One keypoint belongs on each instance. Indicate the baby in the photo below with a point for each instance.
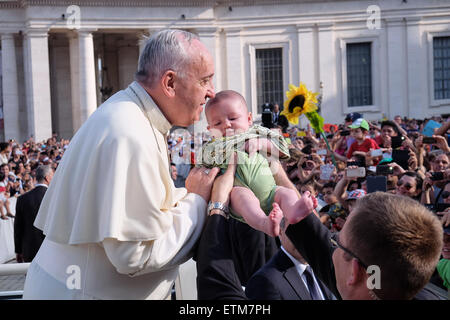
(255, 197)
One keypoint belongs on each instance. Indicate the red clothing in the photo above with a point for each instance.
(379, 140)
(364, 147)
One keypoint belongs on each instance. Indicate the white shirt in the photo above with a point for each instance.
(301, 267)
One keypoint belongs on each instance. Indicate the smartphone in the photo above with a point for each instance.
(356, 163)
(322, 152)
(397, 141)
(437, 176)
(376, 183)
(384, 170)
(429, 140)
(401, 157)
(359, 172)
(345, 133)
(376, 153)
(326, 171)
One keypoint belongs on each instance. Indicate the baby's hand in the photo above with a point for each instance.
(258, 144)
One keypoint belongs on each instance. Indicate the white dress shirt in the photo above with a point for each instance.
(301, 267)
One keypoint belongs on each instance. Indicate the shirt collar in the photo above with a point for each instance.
(301, 267)
(41, 185)
(149, 106)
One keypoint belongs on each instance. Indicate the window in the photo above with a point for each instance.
(441, 66)
(269, 76)
(359, 74)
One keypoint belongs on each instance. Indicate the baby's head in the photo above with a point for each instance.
(227, 114)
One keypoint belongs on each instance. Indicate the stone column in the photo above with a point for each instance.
(308, 68)
(397, 75)
(86, 66)
(75, 81)
(417, 69)
(208, 36)
(37, 84)
(10, 88)
(127, 58)
(327, 73)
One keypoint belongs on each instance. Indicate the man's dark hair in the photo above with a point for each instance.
(330, 184)
(3, 145)
(390, 124)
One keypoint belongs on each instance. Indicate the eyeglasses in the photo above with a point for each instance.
(407, 185)
(445, 194)
(334, 239)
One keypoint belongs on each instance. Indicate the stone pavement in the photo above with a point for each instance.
(12, 283)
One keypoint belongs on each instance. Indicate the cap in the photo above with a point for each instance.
(355, 194)
(353, 116)
(360, 123)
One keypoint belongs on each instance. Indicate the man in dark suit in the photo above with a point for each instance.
(381, 226)
(276, 113)
(287, 276)
(27, 238)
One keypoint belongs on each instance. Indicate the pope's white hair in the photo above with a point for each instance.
(164, 50)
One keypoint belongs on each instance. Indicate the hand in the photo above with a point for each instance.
(427, 182)
(19, 257)
(446, 219)
(200, 181)
(254, 145)
(398, 170)
(441, 143)
(412, 161)
(419, 142)
(223, 184)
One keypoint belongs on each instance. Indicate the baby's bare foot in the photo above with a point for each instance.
(302, 208)
(275, 217)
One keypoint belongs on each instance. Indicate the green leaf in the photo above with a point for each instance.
(316, 121)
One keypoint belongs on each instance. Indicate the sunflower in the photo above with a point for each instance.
(299, 101)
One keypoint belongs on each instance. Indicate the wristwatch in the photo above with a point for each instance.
(219, 206)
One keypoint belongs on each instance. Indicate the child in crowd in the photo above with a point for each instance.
(255, 191)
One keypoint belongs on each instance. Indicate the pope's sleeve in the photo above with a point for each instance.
(173, 248)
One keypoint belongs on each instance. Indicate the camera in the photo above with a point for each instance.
(266, 115)
(397, 141)
(437, 176)
(429, 140)
(382, 170)
(345, 133)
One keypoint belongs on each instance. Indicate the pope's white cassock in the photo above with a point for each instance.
(116, 227)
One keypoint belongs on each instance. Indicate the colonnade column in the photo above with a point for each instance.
(37, 84)
(10, 88)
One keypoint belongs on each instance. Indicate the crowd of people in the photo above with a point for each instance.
(18, 164)
(128, 228)
(399, 156)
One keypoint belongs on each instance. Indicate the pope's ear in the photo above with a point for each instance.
(168, 83)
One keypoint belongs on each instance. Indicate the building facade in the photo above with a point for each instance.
(61, 59)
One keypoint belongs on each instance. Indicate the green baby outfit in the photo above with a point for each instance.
(251, 172)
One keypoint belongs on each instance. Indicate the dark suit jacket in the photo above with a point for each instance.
(27, 238)
(250, 249)
(312, 239)
(278, 279)
(217, 278)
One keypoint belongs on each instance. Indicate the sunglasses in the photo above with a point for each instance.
(445, 194)
(407, 185)
(334, 239)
